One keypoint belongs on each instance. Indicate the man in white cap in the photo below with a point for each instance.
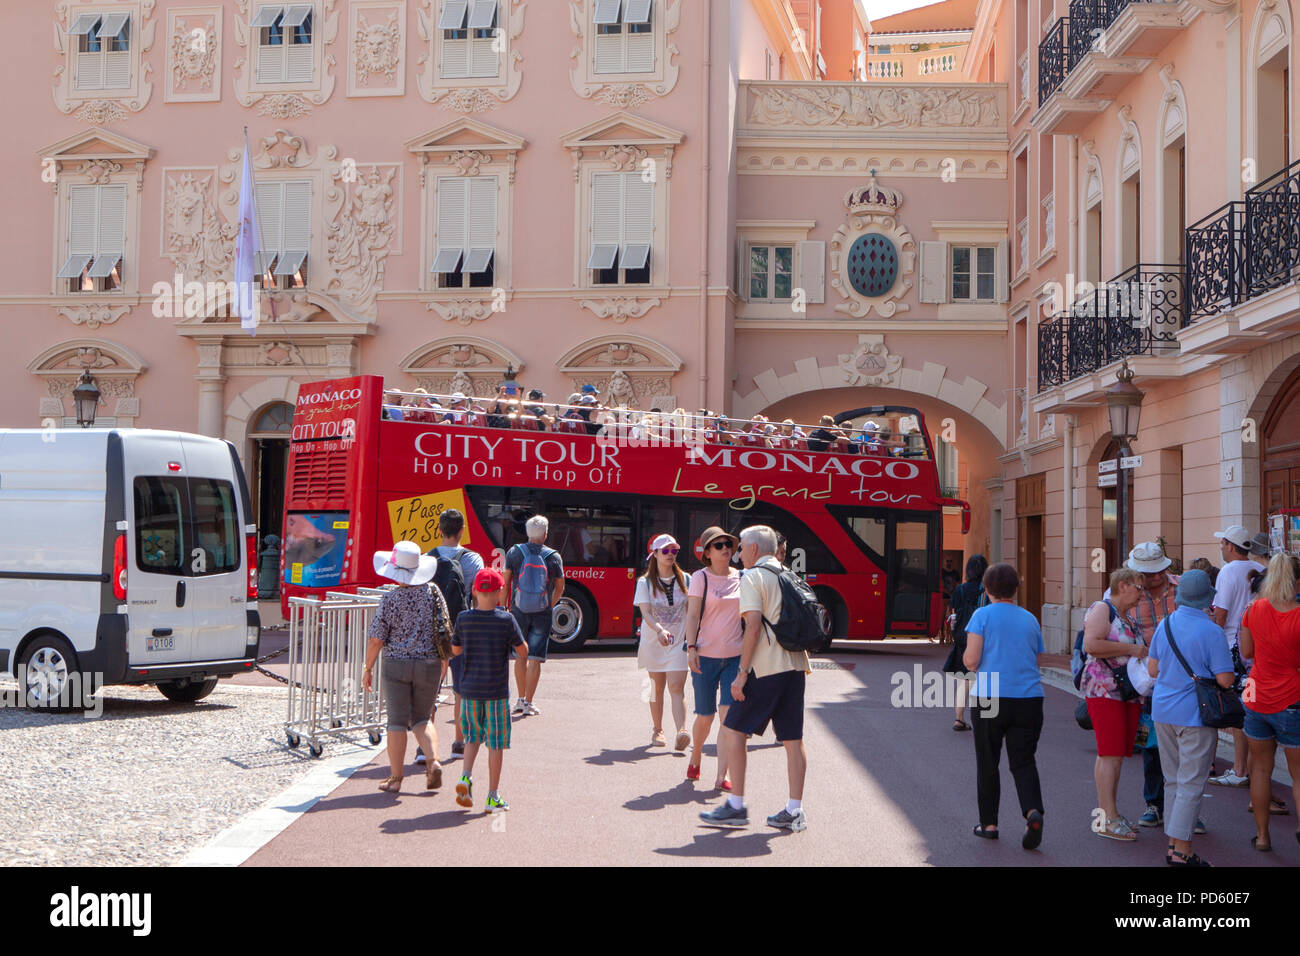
(1231, 598)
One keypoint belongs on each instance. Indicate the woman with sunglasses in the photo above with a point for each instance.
(661, 599)
(713, 639)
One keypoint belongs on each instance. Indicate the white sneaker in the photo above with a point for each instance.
(1230, 779)
(530, 709)
(519, 706)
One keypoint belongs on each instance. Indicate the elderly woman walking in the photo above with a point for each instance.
(1187, 644)
(412, 629)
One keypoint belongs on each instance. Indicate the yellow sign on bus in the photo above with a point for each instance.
(416, 519)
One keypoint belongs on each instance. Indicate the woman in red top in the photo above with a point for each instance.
(1270, 633)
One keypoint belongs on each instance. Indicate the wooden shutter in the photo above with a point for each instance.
(453, 198)
(481, 213)
(934, 272)
(270, 215)
(638, 209)
(117, 70)
(483, 59)
(606, 208)
(111, 233)
(455, 58)
(83, 220)
(271, 60)
(300, 58)
(609, 52)
(90, 71)
(812, 271)
(1001, 286)
(297, 217)
(640, 53)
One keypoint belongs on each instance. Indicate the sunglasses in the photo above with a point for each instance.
(669, 550)
(723, 545)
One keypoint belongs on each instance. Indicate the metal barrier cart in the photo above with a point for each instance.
(327, 653)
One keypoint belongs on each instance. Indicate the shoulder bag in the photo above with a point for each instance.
(1217, 707)
(1120, 674)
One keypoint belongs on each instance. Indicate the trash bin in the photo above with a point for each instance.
(268, 568)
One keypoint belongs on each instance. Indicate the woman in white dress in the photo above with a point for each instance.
(661, 598)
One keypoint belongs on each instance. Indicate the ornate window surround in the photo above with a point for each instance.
(466, 147)
(97, 107)
(473, 94)
(975, 233)
(624, 90)
(445, 365)
(622, 142)
(642, 361)
(99, 157)
(116, 369)
(761, 232)
(285, 100)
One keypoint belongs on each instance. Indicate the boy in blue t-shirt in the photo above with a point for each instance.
(484, 636)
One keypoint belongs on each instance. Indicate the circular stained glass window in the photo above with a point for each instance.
(873, 265)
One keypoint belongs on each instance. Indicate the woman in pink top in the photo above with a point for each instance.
(713, 641)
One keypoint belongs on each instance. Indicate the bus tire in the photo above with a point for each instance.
(187, 692)
(48, 663)
(573, 620)
(834, 605)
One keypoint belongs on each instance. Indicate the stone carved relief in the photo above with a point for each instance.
(870, 364)
(624, 158)
(199, 243)
(284, 105)
(377, 48)
(358, 240)
(873, 106)
(93, 314)
(831, 161)
(633, 91)
(474, 367)
(115, 376)
(99, 171)
(619, 309)
(620, 354)
(194, 56)
(633, 371)
(279, 353)
(101, 110)
(466, 162)
(462, 311)
(470, 95)
(872, 209)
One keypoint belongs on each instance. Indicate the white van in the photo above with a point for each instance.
(127, 556)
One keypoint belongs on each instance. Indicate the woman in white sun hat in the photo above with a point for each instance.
(413, 630)
(661, 598)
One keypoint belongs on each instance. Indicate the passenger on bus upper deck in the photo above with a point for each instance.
(392, 408)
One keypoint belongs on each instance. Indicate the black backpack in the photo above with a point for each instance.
(450, 580)
(801, 625)
(1078, 659)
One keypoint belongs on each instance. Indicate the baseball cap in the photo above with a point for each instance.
(662, 541)
(536, 394)
(588, 399)
(1261, 545)
(489, 580)
(589, 389)
(1236, 534)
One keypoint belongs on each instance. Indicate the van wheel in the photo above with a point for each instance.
(187, 692)
(48, 664)
(573, 620)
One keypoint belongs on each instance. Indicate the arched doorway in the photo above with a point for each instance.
(1279, 451)
(269, 438)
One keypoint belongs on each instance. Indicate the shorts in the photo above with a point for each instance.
(457, 668)
(777, 698)
(410, 688)
(1284, 726)
(536, 628)
(1115, 722)
(486, 721)
(715, 673)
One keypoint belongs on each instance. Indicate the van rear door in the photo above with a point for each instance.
(219, 578)
(159, 548)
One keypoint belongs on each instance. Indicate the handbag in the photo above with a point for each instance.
(1140, 677)
(1120, 675)
(1217, 707)
(1081, 714)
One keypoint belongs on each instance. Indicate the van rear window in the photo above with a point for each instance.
(186, 526)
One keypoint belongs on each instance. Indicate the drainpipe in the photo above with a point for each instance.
(1067, 592)
(706, 74)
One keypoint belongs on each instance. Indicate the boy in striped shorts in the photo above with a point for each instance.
(484, 636)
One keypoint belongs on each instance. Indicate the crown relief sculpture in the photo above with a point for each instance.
(872, 255)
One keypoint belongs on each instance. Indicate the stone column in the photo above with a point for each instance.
(211, 387)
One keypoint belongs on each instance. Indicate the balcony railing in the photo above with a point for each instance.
(1139, 312)
(1215, 256)
(1273, 231)
(1053, 59)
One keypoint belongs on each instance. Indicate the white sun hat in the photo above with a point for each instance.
(1148, 558)
(405, 564)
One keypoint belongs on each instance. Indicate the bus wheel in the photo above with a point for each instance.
(839, 618)
(573, 620)
(187, 692)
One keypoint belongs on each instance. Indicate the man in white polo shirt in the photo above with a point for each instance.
(1231, 598)
(769, 687)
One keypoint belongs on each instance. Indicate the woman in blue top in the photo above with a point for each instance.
(1003, 642)
(1186, 745)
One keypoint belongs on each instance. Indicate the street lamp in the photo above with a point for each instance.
(1124, 400)
(85, 396)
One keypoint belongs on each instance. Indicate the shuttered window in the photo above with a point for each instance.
(96, 238)
(284, 220)
(103, 51)
(622, 228)
(469, 46)
(973, 273)
(284, 50)
(466, 241)
(624, 40)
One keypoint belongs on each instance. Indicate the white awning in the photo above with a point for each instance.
(635, 255)
(262, 262)
(606, 12)
(83, 24)
(74, 267)
(290, 262)
(478, 259)
(602, 256)
(113, 24)
(296, 15)
(637, 11)
(103, 265)
(453, 15)
(267, 15)
(445, 260)
(482, 13)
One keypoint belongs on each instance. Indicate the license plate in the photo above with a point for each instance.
(159, 643)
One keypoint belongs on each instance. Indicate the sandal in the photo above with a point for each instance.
(392, 784)
(433, 777)
(1193, 860)
(1275, 807)
(981, 831)
(960, 724)
(1118, 829)
(1261, 847)
(1033, 830)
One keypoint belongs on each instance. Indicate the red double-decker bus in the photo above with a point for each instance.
(865, 528)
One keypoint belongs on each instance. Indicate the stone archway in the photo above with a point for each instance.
(116, 369)
(242, 410)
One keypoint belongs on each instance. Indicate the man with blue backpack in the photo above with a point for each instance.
(534, 579)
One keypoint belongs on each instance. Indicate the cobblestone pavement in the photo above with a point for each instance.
(145, 783)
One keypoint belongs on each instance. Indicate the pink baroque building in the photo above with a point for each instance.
(685, 203)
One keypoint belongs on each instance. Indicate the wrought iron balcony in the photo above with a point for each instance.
(1216, 258)
(1053, 59)
(1074, 36)
(1272, 232)
(1139, 312)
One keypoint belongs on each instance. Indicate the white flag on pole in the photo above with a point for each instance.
(247, 248)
